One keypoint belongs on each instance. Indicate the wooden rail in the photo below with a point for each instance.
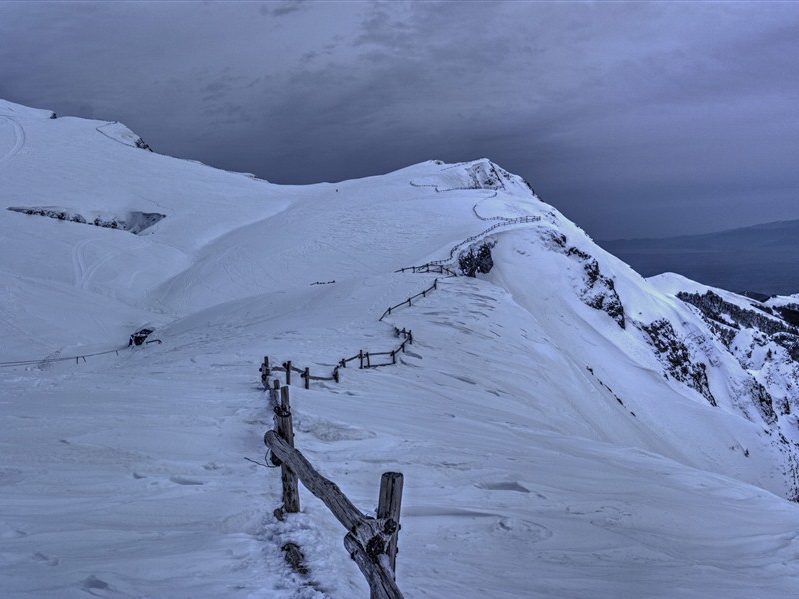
(371, 542)
(364, 359)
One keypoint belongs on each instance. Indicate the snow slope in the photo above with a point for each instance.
(566, 428)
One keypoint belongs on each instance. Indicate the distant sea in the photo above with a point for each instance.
(761, 259)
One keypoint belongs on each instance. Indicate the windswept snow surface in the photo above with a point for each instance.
(550, 449)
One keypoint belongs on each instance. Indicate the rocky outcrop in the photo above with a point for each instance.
(133, 222)
(676, 357)
(476, 260)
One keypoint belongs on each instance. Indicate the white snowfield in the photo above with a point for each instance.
(547, 450)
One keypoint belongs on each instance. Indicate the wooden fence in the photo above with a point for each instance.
(371, 542)
(472, 238)
(365, 359)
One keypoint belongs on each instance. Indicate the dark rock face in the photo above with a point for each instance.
(133, 222)
(726, 319)
(139, 337)
(599, 291)
(473, 261)
(140, 143)
(674, 355)
(763, 402)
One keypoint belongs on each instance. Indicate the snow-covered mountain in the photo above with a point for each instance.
(566, 428)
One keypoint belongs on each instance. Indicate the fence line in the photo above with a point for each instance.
(371, 542)
(77, 358)
(504, 222)
(365, 358)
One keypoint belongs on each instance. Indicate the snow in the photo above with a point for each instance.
(544, 451)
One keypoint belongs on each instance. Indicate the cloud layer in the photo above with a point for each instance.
(635, 119)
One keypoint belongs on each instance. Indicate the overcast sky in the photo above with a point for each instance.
(634, 119)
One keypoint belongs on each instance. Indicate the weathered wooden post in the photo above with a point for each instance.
(368, 360)
(393, 356)
(360, 355)
(307, 376)
(265, 373)
(388, 508)
(285, 429)
(287, 366)
(274, 394)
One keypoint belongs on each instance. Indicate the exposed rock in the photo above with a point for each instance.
(676, 357)
(140, 143)
(476, 260)
(599, 291)
(133, 222)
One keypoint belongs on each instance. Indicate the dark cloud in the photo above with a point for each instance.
(634, 118)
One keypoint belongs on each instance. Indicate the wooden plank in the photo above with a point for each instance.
(388, 508)
(377, 572)
(274, 396)
(366, 530)
(265, 373)
(291, 492)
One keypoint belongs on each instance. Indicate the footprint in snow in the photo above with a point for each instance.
(92, 584)
(50, 561)
(182, 480)
(503, 486)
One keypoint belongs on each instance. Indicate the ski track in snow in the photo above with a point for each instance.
(19, 138)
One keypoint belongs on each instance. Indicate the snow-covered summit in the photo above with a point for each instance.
(566, 427)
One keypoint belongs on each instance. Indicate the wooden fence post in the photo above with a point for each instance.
(360, 355)
(368, 360)
(307, 376)
(265, 373)
(274, 394)
(287, 366)
(285, 429)
(393, 356)
(388, 507)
